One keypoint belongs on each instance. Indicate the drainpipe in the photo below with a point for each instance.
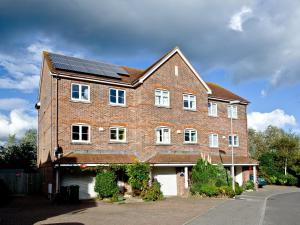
(57, 149)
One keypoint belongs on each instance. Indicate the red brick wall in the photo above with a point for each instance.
(140, 116)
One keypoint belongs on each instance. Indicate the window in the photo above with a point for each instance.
(232, 111)
(80, 133)
(163, 135)
(189, 102)
(117, 134)
(235, 140)
(190, 136)
(162, 98)
(80, 92)
(212, 109)
(213, 141)
(116, 96)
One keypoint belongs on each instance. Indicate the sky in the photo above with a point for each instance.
(250, 47)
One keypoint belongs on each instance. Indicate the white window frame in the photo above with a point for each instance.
(80, 99)
(211, 143)
(80, 133)
(189, 100)
(237, 144)
(162, 96)
(118, 130)
(117, 97)
(210, 111)
(230, 111)
(164, 140)
(189, 130)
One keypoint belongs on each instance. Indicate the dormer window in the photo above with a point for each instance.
(80, 92)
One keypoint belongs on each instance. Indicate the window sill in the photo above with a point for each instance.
(162, 144)
(161, 106)
(120, 105)
(214, 146)
(191, 110)
(80, 143)
(190, 143)
(234, 146)
(213, 116)
(118, 142)
(233, 118)
(80, 101)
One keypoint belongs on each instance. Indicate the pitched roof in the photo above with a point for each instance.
(135, 75)
(222, 93)
(193, 158)
(76, 158)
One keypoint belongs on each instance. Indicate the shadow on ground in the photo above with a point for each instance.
(29, 210)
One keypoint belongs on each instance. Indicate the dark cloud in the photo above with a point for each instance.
(267, 47)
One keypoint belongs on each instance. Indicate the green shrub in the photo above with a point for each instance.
(206, 173)
(152, 193)
(106, 185)
(206, 189)
(138, 174)
(238, 189)
(227, 190)
(249, 185)
(291, 180)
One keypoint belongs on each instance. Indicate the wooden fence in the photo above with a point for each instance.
(21, 183)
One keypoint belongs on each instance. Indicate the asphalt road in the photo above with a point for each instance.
(271, 205)
(283, 209)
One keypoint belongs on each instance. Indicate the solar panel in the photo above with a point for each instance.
(86, 66)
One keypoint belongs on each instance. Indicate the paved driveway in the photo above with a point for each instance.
(270, 205)
(175, 211)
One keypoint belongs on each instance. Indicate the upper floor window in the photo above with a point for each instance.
(189, 102)
(190, 136)
(212, 109)
(80, 92)
(232, 111)
(162, 98)
(117, 134)
(117, 96)
(233, 140)
(213, 140)
(163, 135)
(80, 133)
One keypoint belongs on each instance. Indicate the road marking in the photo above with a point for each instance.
(262, 215)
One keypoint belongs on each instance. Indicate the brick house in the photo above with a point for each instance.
(92, 113)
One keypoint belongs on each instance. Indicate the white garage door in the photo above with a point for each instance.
(166, 176)
(86, 185)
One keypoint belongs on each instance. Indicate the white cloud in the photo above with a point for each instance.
(260, 121)
(18, 122)
(25, 84)
(237, 20)
(13, 103)
(21, 69)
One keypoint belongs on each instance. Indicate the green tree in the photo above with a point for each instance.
(20, 154)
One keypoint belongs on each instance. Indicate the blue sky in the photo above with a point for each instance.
(251, 47)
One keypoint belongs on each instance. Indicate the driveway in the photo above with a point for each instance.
(175, 211)
(271, 205)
